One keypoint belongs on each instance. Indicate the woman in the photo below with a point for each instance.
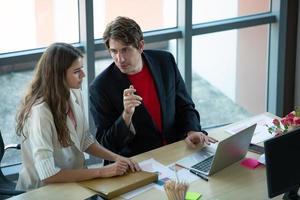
(52, 126)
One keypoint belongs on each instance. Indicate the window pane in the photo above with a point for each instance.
(210, 10)
(37, 24)
(150, 15)
(230, 74)
(12, 90)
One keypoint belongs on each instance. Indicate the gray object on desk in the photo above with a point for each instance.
(228, 151)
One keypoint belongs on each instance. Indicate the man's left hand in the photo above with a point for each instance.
(195, 139)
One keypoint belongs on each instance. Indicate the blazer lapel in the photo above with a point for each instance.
(116, 89)
(123, 81)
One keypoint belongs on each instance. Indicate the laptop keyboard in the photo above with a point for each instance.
(204, 165)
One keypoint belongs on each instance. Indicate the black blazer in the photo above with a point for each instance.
(177, 108)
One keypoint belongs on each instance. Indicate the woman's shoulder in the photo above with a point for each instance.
(41, 108)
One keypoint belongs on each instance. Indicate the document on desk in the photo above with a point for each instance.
(261, 131)
(151, 165)
(262, 159)
(165, 173)
(133, 193)
(184, 174)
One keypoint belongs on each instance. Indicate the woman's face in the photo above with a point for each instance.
(75, 74)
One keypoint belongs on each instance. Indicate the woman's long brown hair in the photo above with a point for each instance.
(49, 85)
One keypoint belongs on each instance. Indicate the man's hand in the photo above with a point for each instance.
(130, 101)
(195, 139)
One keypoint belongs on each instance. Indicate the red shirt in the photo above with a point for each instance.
(145, 87)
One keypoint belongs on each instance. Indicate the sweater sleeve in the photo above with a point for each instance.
(41, 125)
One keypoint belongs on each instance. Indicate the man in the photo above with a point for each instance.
(140, 101)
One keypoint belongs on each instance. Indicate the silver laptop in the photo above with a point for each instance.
(211, 159)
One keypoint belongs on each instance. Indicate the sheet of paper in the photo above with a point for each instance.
(261, 131)
(261, 159)
(184, 174)
(164, 174)
(133, 193)
(152, 165)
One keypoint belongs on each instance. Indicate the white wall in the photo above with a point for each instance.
(213, 57)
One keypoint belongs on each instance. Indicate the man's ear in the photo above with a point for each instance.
(141, 46)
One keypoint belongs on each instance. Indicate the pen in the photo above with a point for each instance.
(199, 174)
(194, 171)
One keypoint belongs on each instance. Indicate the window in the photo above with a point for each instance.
(211, 10)
(230, 74)
(12, 90)
(150, 15)
(37, 24)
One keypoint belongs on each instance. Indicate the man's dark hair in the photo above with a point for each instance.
(125, 30)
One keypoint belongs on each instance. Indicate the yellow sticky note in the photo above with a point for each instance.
(192, 195)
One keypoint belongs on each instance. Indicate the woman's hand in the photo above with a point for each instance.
(134, 166)
(120, 167)
(116, 169)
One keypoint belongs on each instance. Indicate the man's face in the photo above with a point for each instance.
(127, 58)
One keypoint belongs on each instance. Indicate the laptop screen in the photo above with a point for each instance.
(228, 151)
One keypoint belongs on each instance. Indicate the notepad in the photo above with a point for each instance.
(250, 163)
(192, 196)
(115, 186)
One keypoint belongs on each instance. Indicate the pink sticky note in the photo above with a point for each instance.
(250, 163)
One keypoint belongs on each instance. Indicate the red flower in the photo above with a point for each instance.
(284, 122)
(297, 121)
(291, 114)
(288, 122)
(276, 122)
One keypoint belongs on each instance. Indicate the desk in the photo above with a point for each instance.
(233, 182)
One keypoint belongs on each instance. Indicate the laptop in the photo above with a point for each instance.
(212, 158)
